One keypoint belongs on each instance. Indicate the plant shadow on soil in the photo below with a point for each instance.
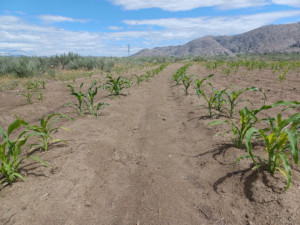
(31, 169)
(248, 177)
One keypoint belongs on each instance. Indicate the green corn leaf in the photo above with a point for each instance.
(18, 175)
(14, 125)
(287, 169)
(293, 138)
(240, 158)
(249, 135)
(39, 160)
(60, 140)
(293, 118)
(216, 123)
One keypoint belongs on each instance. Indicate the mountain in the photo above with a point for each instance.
(266, 39)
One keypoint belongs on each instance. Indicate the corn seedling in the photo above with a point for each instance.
(147, 76)
(45, 131)
(232, 98)
(43, 83)
(177, 77)
(247, 120)
(10, 152)
(187, 81)
(139, 79)
(210, 99)
(28, 96)
(200, 82)
(282, 75)
(220, 100)
(281, 139)
(89, 102)
(41, 97)
(226, 71)
(115, 86)
(158, 69)
(79, 95)
(33, 84)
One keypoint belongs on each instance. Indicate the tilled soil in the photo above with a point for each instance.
(149, 158)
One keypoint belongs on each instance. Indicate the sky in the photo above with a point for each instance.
(108, 27)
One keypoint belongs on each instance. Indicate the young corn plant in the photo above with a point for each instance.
(232, 98)
(139, 79)
(283, 74)
(247, 120)
(89, 100)
(281, 139)
(10, 152)
(177, 77)
(33, 84)
(45, 131)
(43, 84)
(41, 97)
(220, 100)
(200, 82)
(28, 96)
(79, 108)
(187, 81)
(210, 99)
(115, 86)
(147, 76)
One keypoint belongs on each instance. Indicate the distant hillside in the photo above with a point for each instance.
(266, 39)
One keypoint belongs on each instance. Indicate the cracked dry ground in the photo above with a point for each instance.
(149, 158)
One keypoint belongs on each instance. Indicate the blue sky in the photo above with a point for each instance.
(107, 27)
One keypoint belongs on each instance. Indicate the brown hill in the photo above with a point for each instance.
(266, 39)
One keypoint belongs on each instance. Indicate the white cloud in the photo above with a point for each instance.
(294, 3)
(29, 39)
(189, 28)
(183, 5)
(115, 28)
(57, 19)
(22, 37)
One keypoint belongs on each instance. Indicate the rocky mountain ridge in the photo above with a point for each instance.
(266, 39)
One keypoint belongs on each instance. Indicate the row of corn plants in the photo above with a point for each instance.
(283, 67)
(114, 85)
(279, 135)
(33, 88)
(13, 151)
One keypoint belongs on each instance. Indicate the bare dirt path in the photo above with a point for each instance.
(146, 182)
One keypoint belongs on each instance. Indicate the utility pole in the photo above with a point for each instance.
(128, 50)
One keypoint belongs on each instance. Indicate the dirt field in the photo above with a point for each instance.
(149, 158)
